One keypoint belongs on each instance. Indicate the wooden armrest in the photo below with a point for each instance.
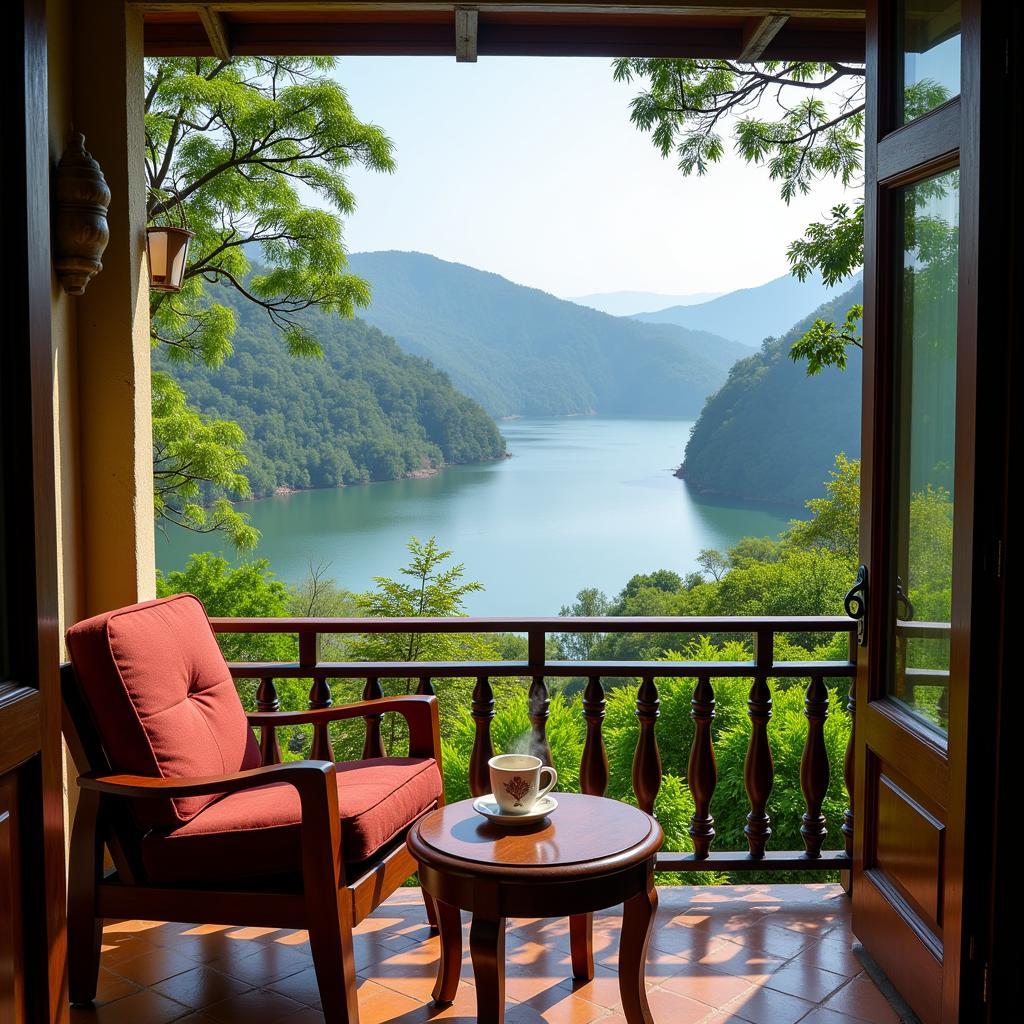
(301, 774)
(419, 711)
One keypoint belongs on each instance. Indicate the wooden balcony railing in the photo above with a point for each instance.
(759, 769)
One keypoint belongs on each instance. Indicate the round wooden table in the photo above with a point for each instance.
(591, 853)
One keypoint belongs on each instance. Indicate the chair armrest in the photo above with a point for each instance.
(419, 711)
(303, 775)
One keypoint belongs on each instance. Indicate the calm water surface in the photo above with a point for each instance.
(582, 502)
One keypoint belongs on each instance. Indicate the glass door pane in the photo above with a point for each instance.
(931, 56)
(925, 418)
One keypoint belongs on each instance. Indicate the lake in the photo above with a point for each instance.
(582, 502)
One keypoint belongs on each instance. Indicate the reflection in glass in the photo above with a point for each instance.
(931, 55)
(925, 418)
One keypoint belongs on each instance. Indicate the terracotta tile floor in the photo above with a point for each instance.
(748, 954)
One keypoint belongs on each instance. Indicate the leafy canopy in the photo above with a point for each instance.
(232, 148)
(800, 120)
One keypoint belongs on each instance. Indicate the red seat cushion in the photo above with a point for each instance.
(162, 699)
(257, 832)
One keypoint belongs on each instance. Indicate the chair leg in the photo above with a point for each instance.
(85, 929)
(330, 942)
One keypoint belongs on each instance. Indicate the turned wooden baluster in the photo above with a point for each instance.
(702, 769)
(538, 706)
(319, 696)
(594, 763)
(426, 687)
(814, 767)
(482, 710)
(851, 706)
(373, 743)
(266, 700)
(647, 757)
(759, 769)
(538, 703)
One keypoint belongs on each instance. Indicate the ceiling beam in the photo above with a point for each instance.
(466, 22)
(757, 34)
(297, 10)
(216, 31)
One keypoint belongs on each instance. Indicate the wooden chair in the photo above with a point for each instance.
(198, 829)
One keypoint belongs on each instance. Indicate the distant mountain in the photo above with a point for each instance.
(522, 352)
(751, 314)
(771, 433)
(366, 411)
(631, 303)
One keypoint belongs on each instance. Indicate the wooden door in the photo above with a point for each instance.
(932, 481)
(32, 892)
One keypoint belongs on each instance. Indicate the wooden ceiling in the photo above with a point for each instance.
(754, 30)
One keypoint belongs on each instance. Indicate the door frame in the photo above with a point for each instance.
(31, 756)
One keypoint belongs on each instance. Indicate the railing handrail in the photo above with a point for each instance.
(562, 669)
(548, 624)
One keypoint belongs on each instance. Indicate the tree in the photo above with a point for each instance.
(434, 591)
(250, 591)
(190, 451)
(232, 146)
(835, 520)
(712, 562)
(591, 602)
(815, 130)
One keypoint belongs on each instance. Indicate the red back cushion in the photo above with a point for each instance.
(162, 698)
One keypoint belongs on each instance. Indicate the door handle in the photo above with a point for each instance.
(856, 604)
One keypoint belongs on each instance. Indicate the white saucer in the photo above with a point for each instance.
(488, 807)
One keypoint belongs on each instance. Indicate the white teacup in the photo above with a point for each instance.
(515, 781)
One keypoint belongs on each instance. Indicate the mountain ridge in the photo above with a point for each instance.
(749, 315)
(522, 351)
(631, 303)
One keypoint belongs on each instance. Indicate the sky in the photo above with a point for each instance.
(530, 167)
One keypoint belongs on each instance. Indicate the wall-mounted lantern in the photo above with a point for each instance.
(167, 249)
(80, 232)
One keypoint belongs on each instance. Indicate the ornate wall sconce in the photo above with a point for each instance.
(167, 249)
(80, 228)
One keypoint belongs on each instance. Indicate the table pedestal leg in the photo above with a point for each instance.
(449, 922)
(637, 922)
(487, 946)
(431, 909)
(581, 937)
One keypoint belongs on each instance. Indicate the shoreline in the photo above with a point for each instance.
(284, 491)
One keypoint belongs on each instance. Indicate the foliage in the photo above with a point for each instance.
(817, 130)
(434, 590)
(835, 520)
(520, 351)
(826, 344)
(232, 146)
(770, 433)
(590, 602)
(190, 452)
(250, 590)
(365, 411)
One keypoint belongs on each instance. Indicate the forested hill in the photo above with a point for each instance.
(366, 411)
(521, 351)
(771, 433)
(750, 315)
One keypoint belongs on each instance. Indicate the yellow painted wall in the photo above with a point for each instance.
(101, 354)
